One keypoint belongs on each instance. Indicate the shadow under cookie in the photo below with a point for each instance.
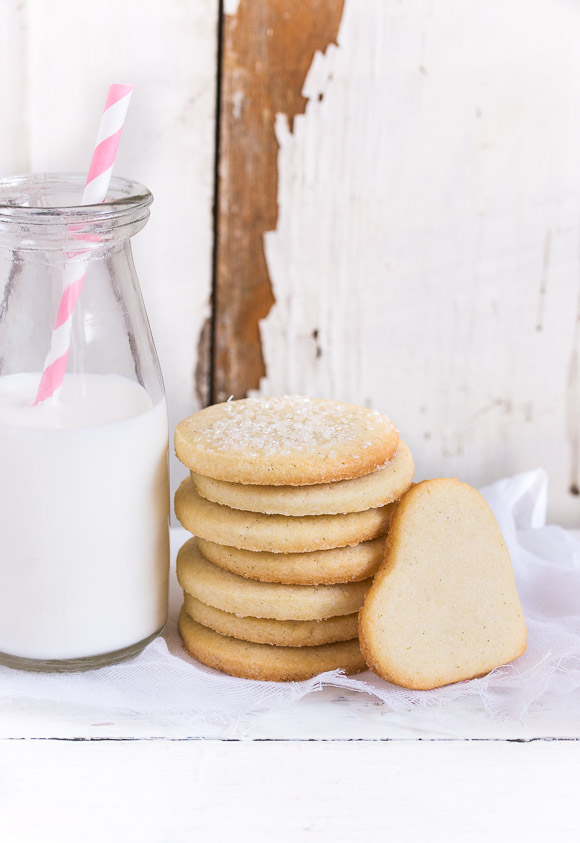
(264, 661)
(352, 563)
(250, 598)
(269, 631)
(276, 533)
(375, 489)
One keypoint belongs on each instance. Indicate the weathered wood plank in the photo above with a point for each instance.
(151, 791)
(268, 46)
(426, 255)
(327, 715)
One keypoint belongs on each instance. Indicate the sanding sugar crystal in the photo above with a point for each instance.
(291, 423)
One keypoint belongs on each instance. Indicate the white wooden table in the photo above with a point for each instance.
(334, 766)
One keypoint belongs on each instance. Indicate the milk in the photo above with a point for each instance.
(84, 505)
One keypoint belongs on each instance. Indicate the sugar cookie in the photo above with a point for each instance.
(376, 489)
(268, 631)
(444, 605)
(285, 440)
(340, 564)
(264, 661)
(250, 598)
(275, 533)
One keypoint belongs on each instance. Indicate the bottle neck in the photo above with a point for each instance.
(39, 213)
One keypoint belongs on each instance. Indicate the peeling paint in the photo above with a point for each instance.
(414, 211)
(231, 7)
(267, 50)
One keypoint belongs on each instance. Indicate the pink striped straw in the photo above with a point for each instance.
(95, 192)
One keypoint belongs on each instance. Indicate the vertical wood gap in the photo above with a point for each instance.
(210, 390)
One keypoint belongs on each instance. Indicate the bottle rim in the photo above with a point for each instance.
(54, 199)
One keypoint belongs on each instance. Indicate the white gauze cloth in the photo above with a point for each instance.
(163, 680)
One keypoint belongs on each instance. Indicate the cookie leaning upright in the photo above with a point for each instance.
(443, 606)
(285, 441)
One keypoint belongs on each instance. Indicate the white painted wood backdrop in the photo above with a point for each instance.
(426, 259)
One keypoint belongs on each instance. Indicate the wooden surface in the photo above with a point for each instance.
(334, 766)
(268, 46)
(331, 767)
(155, 791)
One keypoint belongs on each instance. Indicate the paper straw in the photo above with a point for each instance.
(95, 192)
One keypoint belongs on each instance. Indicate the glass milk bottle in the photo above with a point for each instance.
(84, 497)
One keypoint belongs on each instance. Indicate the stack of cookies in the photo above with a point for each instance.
(290, 499)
